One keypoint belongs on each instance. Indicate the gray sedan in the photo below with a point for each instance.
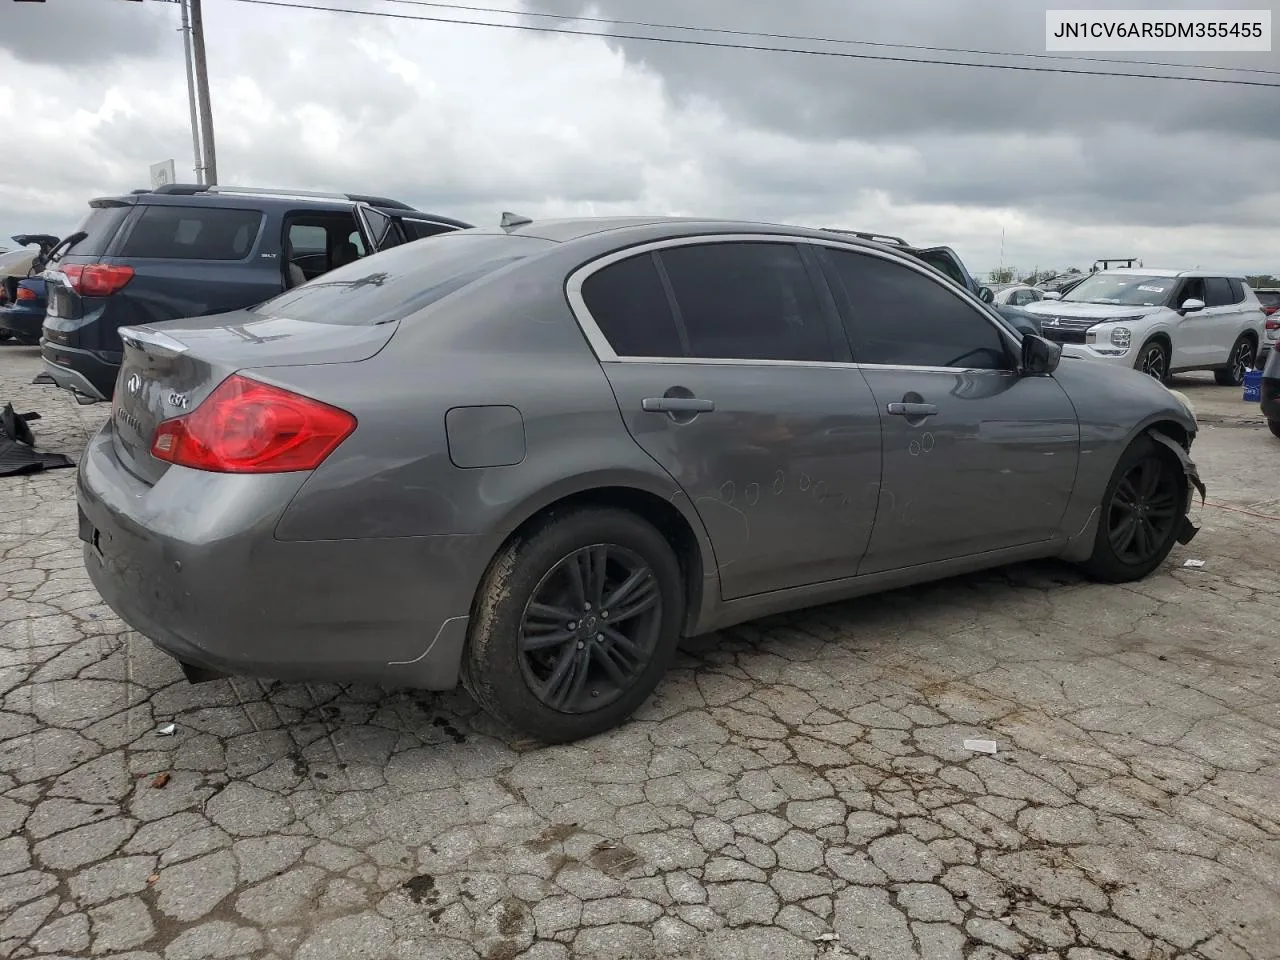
(531, 458)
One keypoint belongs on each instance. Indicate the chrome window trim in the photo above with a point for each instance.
(605, 353)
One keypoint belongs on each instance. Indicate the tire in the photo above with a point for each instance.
(530, 580)
(1153, 360)
(1239, 362)
(1274, 426)
(1115, 560)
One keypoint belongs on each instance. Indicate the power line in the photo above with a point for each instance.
(759, 48)
(796, 37)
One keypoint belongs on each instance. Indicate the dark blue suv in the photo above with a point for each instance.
(183, 250)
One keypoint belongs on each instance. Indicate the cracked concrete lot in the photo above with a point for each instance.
(798, 788)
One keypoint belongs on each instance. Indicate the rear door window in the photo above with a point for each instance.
(400, 281)
(630, 306)
(1237, 290)
(192, 233)
(1217, 292)
(748, 300)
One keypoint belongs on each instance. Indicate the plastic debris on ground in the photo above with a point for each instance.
(17, 455)
(1194, 563)
(168, 730)
(981, 746)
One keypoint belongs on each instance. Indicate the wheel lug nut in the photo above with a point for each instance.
(573, 625)
(587, 607)
(581, 644)
(604, 614)
(599, 638)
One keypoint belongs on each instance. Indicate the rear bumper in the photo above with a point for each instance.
(213, 588)
(80, 371)
(22, 323)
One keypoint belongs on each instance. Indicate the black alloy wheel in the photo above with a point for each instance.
(590, 629)
(1143, 513)
(1154, 361)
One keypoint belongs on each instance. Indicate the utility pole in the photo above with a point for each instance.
(202, 93)
(197, 153)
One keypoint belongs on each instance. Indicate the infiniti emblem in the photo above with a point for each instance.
(134, 383)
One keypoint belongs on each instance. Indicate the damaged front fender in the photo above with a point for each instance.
(1187, 530)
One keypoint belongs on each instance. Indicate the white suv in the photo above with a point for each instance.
(1159, 321)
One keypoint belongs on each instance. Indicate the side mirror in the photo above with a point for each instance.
(985, 295)
(1052, 295)
(1039, 356)
(1192, 305)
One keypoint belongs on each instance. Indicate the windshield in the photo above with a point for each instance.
(402, 280)
(1124, 289)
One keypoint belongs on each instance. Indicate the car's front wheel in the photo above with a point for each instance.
(1238, 364)
(1153, 360)
(1142, 511)
(575, 624)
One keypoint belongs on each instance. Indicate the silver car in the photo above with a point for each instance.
(531, 458)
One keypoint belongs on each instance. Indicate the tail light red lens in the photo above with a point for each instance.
(97, 279)
(25, 293)
(1270, 310)
(1273, 323)
(245, 426)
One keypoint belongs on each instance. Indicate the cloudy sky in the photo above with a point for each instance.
(470, 121)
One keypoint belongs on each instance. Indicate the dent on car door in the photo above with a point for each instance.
(731, 371)
(976, 457)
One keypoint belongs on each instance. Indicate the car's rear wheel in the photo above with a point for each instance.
(575, 625)
(1240, 362)
(1274, 426)
(1153, 360)
(1142, 511)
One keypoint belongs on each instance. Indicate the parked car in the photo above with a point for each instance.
(533, 457)
(22, 318)
(1269, 297)
(1061, 283)
(1271, 392)
(183, 251)
(948, 262)
(1159, 321)
(1016, 295)
(17, 268)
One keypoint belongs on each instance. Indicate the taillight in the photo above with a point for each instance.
(245, 426)
(1273, 323)
(1270, 310)
(97, 279)
(26, 293)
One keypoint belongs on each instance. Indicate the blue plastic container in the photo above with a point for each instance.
(1253, 386)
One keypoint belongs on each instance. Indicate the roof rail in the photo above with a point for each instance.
(374, 201)
(873, 237)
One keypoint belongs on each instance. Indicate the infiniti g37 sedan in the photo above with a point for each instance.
(531, 458)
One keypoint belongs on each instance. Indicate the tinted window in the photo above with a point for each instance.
(747, 301)
(1218, 291)
(1268, 298)
(192, 233)
(1237, 290)
(419, 229)
(305, 238)
(101, 225)
(900, 316)
(1192, 289)
(631, 308)
(397, 282)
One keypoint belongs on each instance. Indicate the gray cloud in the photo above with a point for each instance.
(81, 34)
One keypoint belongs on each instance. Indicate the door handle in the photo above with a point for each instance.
(905, 409)
(677, 405)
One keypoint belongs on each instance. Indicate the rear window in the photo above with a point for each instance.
(192, 233)
(1268, 298)
(101, 225)
(390, 285)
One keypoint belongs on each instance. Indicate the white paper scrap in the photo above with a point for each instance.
(980, 746)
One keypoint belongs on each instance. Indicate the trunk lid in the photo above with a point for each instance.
(169, 369)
